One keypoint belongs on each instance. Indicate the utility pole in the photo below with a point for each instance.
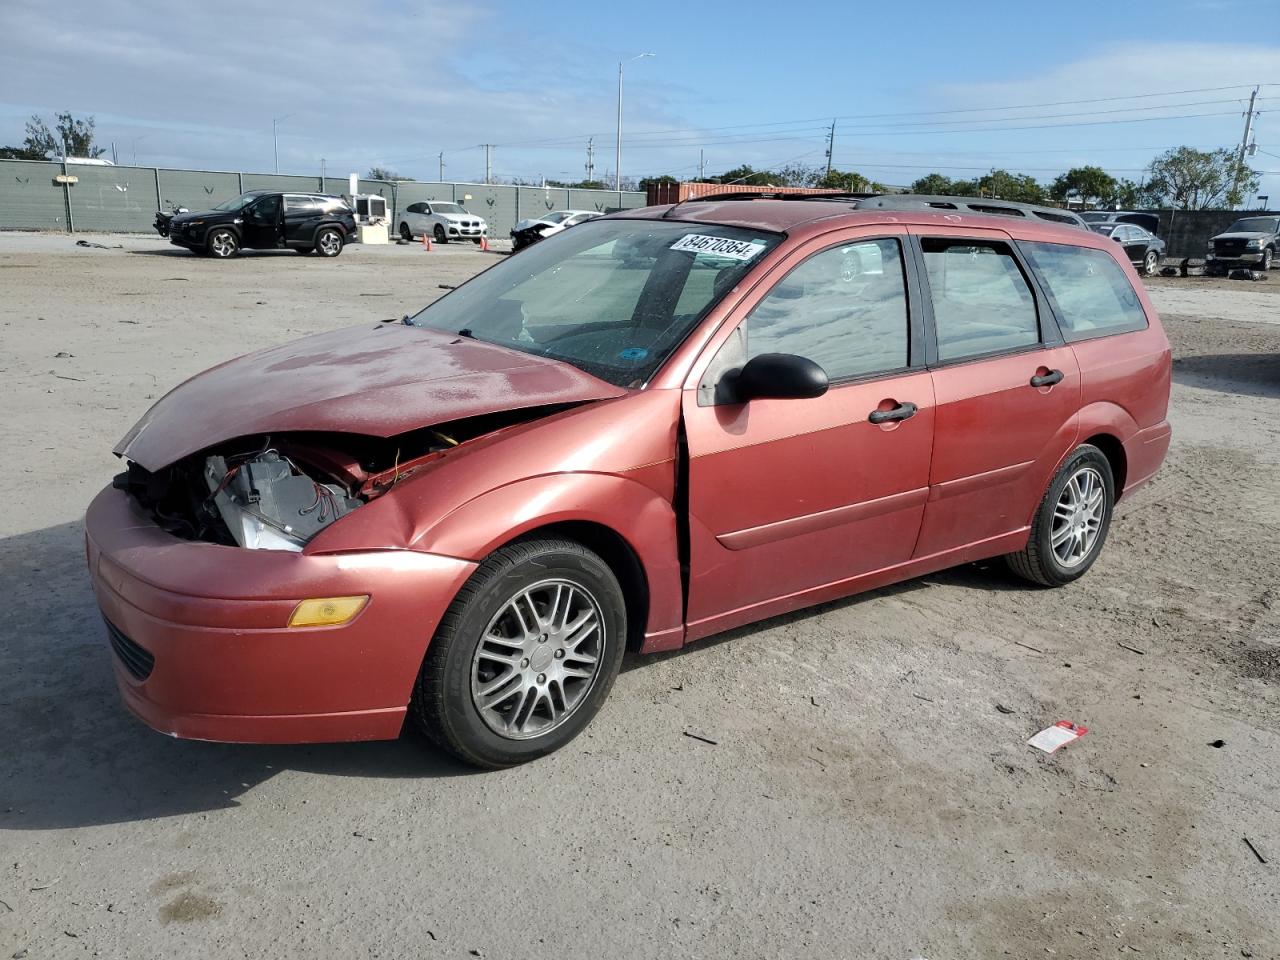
(442, 166)
(617, 160)
(275, 150)
(591, 158)
(322, 174)
(488, 162)
(702, 165)
(831, 146)
(1244, 141)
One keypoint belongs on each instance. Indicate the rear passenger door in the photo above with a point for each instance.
(1006, 389)
(301, 214)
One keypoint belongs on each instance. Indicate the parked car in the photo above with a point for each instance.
(465, 517)
(1148, 221)
(1249, 242)
(533, 229)
(442, 221)
(1144, 249)
(265, 220)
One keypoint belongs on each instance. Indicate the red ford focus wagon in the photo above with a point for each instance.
(645, 430)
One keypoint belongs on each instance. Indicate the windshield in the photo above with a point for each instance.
(243, 200)
(613, 297)
(1255, 225)
(1096, 216)
(556, 217)
(446, 208)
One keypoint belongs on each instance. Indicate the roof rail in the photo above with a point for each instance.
(980, 205)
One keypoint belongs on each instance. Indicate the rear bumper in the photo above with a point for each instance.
(225, 665)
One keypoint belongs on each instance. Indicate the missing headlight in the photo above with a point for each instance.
(269, 504)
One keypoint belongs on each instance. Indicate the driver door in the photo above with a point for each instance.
(262, 223)
(796, 501)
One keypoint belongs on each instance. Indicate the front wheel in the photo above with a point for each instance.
(525, 655)
(1267, 256)
(329, 242)
(1071, 523)
(1150, 263)
(440, 236)
(223, 244)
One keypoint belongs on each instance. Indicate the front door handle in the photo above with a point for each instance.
(1047, 379)
(902, 411)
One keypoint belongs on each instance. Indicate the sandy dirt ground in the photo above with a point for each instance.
(869, 794)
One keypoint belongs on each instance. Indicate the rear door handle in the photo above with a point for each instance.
(903, 411)
(1048, 379)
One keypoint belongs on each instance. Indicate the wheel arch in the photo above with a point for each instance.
(1113, 450)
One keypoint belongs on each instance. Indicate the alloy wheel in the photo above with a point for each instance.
(538, 659)
(223, 244)
(330, 243)
(1078, 516)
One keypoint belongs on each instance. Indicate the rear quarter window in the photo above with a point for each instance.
(1090, 291)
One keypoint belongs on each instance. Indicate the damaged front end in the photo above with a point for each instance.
(279, 492)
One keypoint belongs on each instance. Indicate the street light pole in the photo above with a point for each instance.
(617, 159)
(275, 150)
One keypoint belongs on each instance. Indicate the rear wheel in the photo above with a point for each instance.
(440, 235)
(1150, 263)
(525, 655)
(223, 244)
(329, 242)
(1071, 523)
(405, 233)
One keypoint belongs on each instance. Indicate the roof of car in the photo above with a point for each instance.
(787, 215)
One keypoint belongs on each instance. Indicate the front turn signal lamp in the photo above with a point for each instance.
(326, 611)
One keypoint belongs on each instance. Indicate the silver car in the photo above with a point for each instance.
(441, 220)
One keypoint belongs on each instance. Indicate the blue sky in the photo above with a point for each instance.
(917, 87)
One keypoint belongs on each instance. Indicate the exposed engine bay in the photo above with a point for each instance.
(278, 492)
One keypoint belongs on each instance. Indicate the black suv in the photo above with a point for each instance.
(266, 220)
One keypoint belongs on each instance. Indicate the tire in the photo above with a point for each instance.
(405, 233)
(223, 244)
(329, 242)
(476, 241)
(1150, 264)
(1054, 565)
(1267, 256)
(466, 654)
(440, 234)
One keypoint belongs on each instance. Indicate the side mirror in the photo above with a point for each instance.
(778, 376)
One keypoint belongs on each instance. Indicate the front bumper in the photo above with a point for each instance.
(1235, 258)
(225, 665)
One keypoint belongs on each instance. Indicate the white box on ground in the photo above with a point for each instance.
(372, 232)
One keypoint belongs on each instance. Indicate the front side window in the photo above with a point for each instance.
(844, 308)
(266, 210)
(1091, 292)
(299, 204)
(982, 302)
(613, 298)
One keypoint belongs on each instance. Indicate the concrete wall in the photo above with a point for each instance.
(118, 199)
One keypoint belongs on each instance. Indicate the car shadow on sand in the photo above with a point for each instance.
(1251, 374)
(76, 757)
(176, 251)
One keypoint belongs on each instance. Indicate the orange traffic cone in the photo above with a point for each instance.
(484, 242)
(426, 241)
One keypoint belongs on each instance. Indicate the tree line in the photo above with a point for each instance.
(1183, 178)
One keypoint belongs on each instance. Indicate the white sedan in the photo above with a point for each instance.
(441, 220)
(534, 229)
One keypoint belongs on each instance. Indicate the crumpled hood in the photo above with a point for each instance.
(379, 381)
(530, 222)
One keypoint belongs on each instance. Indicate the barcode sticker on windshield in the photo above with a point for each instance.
(719, 246)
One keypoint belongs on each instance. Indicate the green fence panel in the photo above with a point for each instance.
(496, 203)
(408, 192)
(285, 183)
(29, 199)
(197, 190)
(113, 198)
(602, 201)
(539, 201)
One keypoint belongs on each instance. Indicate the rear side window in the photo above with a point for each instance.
(844, 308)
(982, 302)
(294, 204)
(1092, 295)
